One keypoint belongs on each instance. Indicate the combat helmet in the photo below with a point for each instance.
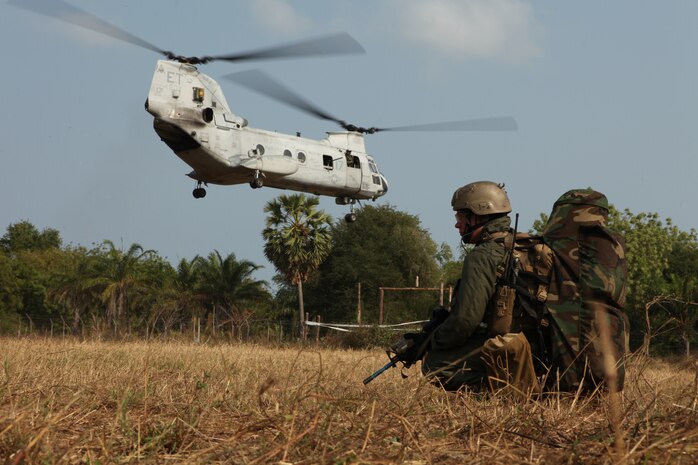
(481, 198)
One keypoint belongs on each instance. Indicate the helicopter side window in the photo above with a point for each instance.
(327, 161)
(353, 161)
(301, 157)
(260, 149)
(287, 153)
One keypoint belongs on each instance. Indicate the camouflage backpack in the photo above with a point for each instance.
(572, 280)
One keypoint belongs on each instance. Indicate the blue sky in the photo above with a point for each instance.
(604, 94)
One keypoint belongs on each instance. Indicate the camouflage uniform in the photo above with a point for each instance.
(455, 358)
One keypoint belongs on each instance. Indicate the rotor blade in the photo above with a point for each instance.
(336, 44)
(504, 123)
(63, 11)
(261, 82)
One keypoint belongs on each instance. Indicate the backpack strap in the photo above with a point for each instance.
(501, 237)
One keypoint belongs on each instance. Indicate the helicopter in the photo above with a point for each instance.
(192, 117)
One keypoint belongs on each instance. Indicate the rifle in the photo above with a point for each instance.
(411, 347)
(512, 271)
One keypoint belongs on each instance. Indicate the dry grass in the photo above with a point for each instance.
(70, 402)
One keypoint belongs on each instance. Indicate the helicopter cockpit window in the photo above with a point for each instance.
(301, 157)
(372, 167)
(327, 161)
(198, 94)
(287, 153)
(376, 180)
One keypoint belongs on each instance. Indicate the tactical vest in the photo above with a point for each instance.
(567, 293)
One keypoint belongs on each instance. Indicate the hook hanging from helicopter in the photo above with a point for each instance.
(222, 149)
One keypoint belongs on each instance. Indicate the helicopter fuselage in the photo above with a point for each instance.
(192, 116)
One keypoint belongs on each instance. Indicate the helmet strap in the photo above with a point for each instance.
(477, 228)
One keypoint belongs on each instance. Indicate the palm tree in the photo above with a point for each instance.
(179, 299)
(72, 288)
(298, 240)
(119, 279)
(225, 284)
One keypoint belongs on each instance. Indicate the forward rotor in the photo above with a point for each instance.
(336, 44)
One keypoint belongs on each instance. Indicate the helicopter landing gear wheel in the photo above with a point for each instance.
(351, 216)
(199, 192)
(257, 182)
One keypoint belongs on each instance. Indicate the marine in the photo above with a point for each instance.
(530, 312)
(466, 350)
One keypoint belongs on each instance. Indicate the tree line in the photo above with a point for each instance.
(321, 265)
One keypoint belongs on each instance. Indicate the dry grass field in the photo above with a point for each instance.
(97, 402)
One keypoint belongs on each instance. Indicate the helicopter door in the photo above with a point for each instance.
(353, 172)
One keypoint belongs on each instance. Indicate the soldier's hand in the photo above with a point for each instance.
(438, 316)
(400, 346)
(407, 348)
(440, 313)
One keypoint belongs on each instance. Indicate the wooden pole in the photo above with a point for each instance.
(380, 307)
(317, 330)
(31, 324)
(441, 295)
(305, 327)
(358, 306)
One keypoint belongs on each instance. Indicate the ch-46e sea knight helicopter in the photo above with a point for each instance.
(192, 116)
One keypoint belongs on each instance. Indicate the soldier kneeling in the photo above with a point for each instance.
(481, 342)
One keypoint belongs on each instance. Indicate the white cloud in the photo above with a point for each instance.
(279, 16)
(496, 29)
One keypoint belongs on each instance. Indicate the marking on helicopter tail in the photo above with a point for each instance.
(171, 75)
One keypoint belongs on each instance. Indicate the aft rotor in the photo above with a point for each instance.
(264, 84)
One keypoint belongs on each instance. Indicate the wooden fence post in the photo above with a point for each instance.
(358, 306)
(380, 307)
(317, 330)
